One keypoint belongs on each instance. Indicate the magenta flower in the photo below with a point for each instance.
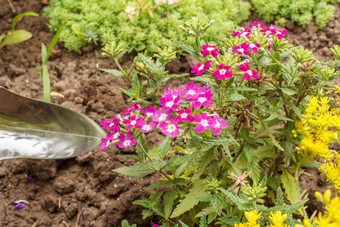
(126, 141)
(218, 125)
(169, 102)
(105, 143)
(258, 23)
(242, 33)
(149, 111)
(209, 50)
(132, 122)
(183, 115)
(272, 30)
(174, 92)
(248, 72)
(223, 72)
(133, 108)
(253, 46)
(170, 129)
(192, 90)
(161, 116)
(110, 124)
(204, 123)
(146, 127)
(202, 100)
(242, 49)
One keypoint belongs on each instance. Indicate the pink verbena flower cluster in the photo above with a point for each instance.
(221, 71)
(169, 118)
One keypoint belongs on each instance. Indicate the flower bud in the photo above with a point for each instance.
(327, 196)
(191, 32)
(254, 28)
(180, 27)
(242, 29)
(212, 21)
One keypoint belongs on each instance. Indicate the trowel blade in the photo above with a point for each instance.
(34, 129)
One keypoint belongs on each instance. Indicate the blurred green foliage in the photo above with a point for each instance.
(300, 11)
(104, 21)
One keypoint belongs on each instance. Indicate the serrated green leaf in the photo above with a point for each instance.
(215, 142)
(142, 202)
(203, 221)
(164, 147)
(188, 49)
(137, 170)
(271, 136)
(158, 164)
(279, 197)
(205, 79)
(190, 199)
(135, 86)
(169, 198)
(291, 186)
(229, 220)
(236, 97)
(158, 185)
(217, 203)
(146, 214)
(241, 204)
(178, 75)
(114, 72)
(296, 110)
(288, 91)
(155, 69)
(142, 146)
(183, 224)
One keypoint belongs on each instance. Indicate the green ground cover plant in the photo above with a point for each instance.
(140, 24)
(231, 145)
(300, 11)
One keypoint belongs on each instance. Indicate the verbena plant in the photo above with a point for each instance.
(139, 24)
(300, 11)
(229, 149)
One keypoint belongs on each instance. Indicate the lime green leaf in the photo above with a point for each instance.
(296, 110)
(137, 170)
(17, 17)
(215, 142)
(236, 97)
(16, 37)
(190, 199)
(291, 186)
(183, 224)
(142, 202)
(142, 146)
(203, 222)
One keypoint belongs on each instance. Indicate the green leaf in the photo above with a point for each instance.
(17, 17)
(217, 203)
(215, 142)
(164, 147)
(146, 214)
(190, 199)
(188, 49)
(236, 97)
(169, 198)
(279, 197)
(231, 221)
(16, 37)
(53, 43)
(183, 224)
(271, 136)
(137, 170)
(155, 69)
(142, 202)
(288, 91)
(296, 110)
(114, 72)
(135, 86)
(158, 164)
(158, 185)
(241, 204)
(203, 222)
(142, 146)
(291, 186)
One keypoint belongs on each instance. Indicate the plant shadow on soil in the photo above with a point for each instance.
(84, 191)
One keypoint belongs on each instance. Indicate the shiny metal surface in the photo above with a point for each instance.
(34, 129)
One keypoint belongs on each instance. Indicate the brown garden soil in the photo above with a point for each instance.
(84, 191)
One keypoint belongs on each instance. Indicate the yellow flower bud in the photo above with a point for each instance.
(318, 196)
(327, 197)
(306, 223)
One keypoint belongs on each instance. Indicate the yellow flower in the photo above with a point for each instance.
(252, 216)
(277, 218)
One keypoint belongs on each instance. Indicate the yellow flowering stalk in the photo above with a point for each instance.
(252, 217)
(277, 219)
(331, 218)
(332, 170)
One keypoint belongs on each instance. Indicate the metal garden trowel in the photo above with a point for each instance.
(34, 129)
